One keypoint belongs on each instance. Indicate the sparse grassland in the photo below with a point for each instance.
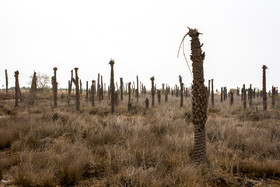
(41, 146)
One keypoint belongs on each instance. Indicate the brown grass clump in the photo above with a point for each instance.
(63, 164)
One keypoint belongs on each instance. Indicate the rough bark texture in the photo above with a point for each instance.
(273, 96)
(76, 82)
(69, 92)
(153, 91)
(92, 92)
(71, 82)
(70, 85)
(34, 83)
(209, 88)
(102, 89)
(81, 88)
(264, 88)
(98, 87)
(17, 94)
(166, 94)
(250, 96)
(225, 93)
(7, 81)
(54, 87)
(94, 88)
(137, 88)
(129, 96)
(181, 91)
(199, 98)
(116, 100)
(33, 90)
(121, 87)
(86, 91)
(212, 93)
(112, 87)
(159, 96)
(231, 97)
(244, 96)
(222, 92)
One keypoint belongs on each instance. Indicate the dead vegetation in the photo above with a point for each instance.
(44, 146)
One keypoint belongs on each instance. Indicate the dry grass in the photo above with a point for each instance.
(40, 146)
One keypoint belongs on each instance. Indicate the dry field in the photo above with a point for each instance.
(41, 146)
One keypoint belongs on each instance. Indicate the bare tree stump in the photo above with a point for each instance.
(273, 96)
(17, 94)
(54, 87)
(199, 98)
(86, 91)
(76, 82)
(231, 98)
(92, 92)
(33, 90)
(81, 88)
(222, 92)
(129, 96)
(7, 81)
(121, 87)
(153, 91)
(250, 96)
(137, 88)
(264, 88)
(212, 93)
(112, 86)
(181, 91)
(244, 96)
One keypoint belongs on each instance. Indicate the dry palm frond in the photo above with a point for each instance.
(183, 46)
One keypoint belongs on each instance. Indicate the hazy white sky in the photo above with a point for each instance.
(143, 37)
